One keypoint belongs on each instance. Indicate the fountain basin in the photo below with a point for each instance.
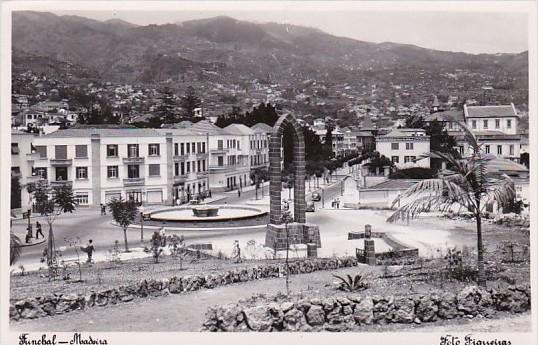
(205, 211)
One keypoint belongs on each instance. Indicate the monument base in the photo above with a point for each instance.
(298, 233)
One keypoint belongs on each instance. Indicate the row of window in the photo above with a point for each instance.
(183, 168)
(112, 150)
(396, 146)
(487, 149)
(188, 148)
(258, 144)
(81, 173)
(497, 123)
(257, 160)
(407, 159)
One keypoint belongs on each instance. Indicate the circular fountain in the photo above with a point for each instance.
(214, 216)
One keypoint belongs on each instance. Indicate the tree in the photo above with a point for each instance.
(329, 126)
(15, 245)
(524, 159)
(124, 213)
(167, 108)
(51, 202)
(189, 103)
(286, 218)
(470, 186)
(414, 121)
(15, 192)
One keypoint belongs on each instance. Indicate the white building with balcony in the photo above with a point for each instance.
(102, 164)
(404, 146)
(228, 157)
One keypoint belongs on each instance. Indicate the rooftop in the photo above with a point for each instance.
(505, 165)
(445, 116)
(398, 184)
(262, 128)
(490, 111)
(104, 132)
(239, 128)
(205, 126)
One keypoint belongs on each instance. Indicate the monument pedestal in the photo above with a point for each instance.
(298, 233)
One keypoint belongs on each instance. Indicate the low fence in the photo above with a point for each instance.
(352, 311)
(52, 304)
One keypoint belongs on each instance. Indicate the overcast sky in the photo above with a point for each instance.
(472, 32)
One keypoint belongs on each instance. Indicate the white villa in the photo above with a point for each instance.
(403, 146)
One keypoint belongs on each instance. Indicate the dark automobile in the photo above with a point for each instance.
(316, 196)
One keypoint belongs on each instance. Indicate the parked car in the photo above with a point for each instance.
(195, 200)
(316, 196)
(310, 207)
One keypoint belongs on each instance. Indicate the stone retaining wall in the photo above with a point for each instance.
(31, 308)
(352, 311)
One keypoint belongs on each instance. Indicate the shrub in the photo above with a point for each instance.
(413, 173)
(351, 284)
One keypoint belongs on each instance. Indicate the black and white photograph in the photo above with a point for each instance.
(357, 169)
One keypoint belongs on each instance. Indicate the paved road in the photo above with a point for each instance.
(87, 223)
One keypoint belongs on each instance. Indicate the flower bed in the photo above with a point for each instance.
(352, 311)
(46, 305)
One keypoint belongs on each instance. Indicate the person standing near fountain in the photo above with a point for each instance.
(236, 253)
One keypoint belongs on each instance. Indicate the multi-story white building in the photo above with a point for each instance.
(228, 157)
(22, 163)
(187, 161)
(259, 146)
(403, 146)
(101, 164)
(496, 129)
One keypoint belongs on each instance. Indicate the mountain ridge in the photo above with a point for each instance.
(229, 47)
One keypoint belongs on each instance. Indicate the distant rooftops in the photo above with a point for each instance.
(445, 116)
(490, 111)
(406, 132)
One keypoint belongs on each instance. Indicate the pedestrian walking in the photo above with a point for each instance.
(162, 233)
(239, 193)
(89, 250)
(38, 230)
(210, 193)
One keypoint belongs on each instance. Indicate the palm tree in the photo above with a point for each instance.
(15, 248)
(468, 185)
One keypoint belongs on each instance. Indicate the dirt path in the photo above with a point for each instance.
(185, 312)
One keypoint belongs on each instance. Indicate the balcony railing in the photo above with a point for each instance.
(202, 155)
(218, 167)
(61, 183)
(133, 160)
(134, 181)
(218, 150)
(180, 158)
(180, 178)
(61, 162)
(33, 156)
(202, 174)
